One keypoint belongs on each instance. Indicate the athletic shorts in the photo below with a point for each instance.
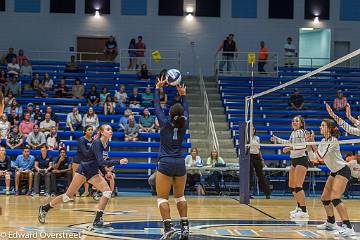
(86, 173)
(172, 167)
(345, 172)
(302, 161)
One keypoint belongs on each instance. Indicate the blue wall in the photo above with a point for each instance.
(133, 7)
(27, 5)
(350, 10)
(244, 9)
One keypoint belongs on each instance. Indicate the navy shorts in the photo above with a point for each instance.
(86, 173)
(345, 172)
(172, 167)
(302, 161)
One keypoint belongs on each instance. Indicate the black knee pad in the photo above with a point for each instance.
(326, 202)
(292, 189)
(298, 189)
(336, 202)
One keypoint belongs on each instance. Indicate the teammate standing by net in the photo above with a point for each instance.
(299, 165)
(171, 167)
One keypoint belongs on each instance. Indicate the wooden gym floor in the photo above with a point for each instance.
(138, 218)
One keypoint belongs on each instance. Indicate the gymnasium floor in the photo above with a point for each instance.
(138, 218)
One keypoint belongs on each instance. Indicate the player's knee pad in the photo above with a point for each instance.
(336, 202)
(107, 194)
(65, 198)
(298, 189)
(326, 202)
(180, 199)
(292, 189)
(161, 201)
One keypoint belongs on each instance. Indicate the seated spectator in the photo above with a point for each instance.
(72, 66)
(4, 127)
(135, 99)
(193, 176)
(109, 105)
(21, 57)
(5, 169)
(78, 89)
(15, 139)
(121, 97)
(144, 73)
(36, 139)
(62, 167)
(125, 118)
(104, 93)
(93, 96)
(163, 98)
(13, 69)
(53, 140)
(90, 119)
(147, 98)
(43, 167)
(147, 122)
(37, 86)
(38, 115)
(23, 169)
(14, 119)
(26, 69)
(8, 100)
(47, 124)
(30, 109)
(3, 77)
(48, 83)
(61, 90)
(131, 130)
(111, 49)
(52, 115)
(15, 106)
(14, 87)
(9, 56)
(215, 177)
(26, 126)
(36, 80)
(74, 120)
(340, 101)
(296, 100)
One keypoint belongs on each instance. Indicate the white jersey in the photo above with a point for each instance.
(355, 169)
(255, 149)
(297, 136)
(329, 151)
(349, 129)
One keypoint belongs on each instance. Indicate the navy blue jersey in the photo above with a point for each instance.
(171, 138)
(64, 164)
(43, 162)
(83, 148)
(6, 164)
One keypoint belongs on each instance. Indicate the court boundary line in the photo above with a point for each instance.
(257, 209)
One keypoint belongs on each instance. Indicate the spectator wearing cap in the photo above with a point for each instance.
(296, 100)
(340, 101)
(30, 109)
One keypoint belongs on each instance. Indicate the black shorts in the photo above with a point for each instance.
(302, 161)
(172, 167)
(345, 172)
(86, 173)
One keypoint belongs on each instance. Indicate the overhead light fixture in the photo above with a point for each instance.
(316, 20)
(307, 29)
(189, 14)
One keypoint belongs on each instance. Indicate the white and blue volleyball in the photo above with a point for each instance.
(173, 77)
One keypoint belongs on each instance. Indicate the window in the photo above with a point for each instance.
(283, 9)
(171, 8)
(102, 5)
(61, 6)
(206, 8)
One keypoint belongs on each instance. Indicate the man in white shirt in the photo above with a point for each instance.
(13, 68)
(46, 125)
(290, 52)
(74, 120)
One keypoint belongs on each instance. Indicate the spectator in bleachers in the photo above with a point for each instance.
(144, 73)
(36, 80)
(38, 115)
(132, 54)
(8, 100)
(48, 83)
(147, 122)
(140, 52)
(52, 115)
(5, 169)
(53, 140)
(26, 126)
(14, 87)
(340, 101)
(15, 139)
(43, 167)
(26, 69)
(215, 161)
(37, 86)
(296, 100)
(21, 57)
(78, 90)
(4, 127)
(111, 49)
(109, 105)
(47, 124)
(15, 106)
(228, 47)
(131, 130)
(24, 164)
(3, 77)
(135, 99)
(193, 176)
(36, 138)
(93, 96)
(13, 69)
(72, 66)
(14, 119)
(125, 118)
(90, 119)
(9, 56)
(147, 98)
(61, 90)
(74, 120)
(104, 93)
(30, 109)
(262, 57)
(121, 97)
(163, 98)
(62, 167)
(290, 53)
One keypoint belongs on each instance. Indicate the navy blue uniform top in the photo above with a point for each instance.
(171, 138)
(97, 158)
(83, 148)
(64, 164)
(6, 164)
(43, 162)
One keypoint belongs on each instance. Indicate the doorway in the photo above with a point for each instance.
(93, 45)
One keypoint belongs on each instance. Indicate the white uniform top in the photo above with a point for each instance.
(289, 46)
(349, 129)
(255, 149)
(329, 151)
(297, 136)
(355, 168)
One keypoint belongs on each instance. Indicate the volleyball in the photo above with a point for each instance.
(173, 77)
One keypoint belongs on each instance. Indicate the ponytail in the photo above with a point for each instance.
(177, 116)
(334, 130)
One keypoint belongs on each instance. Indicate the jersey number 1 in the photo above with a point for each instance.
(175, 135)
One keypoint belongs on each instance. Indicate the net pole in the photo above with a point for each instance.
(244, 164)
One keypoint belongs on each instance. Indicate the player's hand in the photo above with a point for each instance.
(124, 161)
(273, 138)
(108, 175)
(348, 110)
(331, 112)
(310, 136)
(286, 149)
(161, 82)
(181, 89)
